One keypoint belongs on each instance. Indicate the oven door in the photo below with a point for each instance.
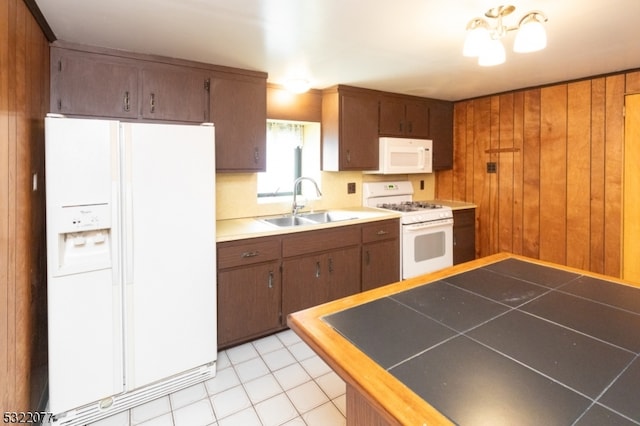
(426, 247)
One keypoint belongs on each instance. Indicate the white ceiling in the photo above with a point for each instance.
(404, 46)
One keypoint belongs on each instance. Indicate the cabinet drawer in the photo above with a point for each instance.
(464, 217)
(382, 230)
(321, 240)
(247, 252)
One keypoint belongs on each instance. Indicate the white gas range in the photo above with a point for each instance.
(426, 228)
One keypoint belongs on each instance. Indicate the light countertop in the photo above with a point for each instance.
(243, 228)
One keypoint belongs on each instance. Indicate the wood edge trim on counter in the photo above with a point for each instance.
(393, 400)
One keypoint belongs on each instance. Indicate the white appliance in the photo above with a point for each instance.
(404, 156)
(131, 263)
(426, 229)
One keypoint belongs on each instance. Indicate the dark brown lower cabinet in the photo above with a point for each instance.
(249, 302)
(262, 280)
(320, 266)
(249, 289)
(464, 235)
(380, 254)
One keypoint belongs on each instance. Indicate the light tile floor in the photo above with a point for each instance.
(276, 380)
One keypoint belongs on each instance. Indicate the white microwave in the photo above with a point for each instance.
(405, 156)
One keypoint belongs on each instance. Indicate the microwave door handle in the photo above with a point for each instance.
(421, 156)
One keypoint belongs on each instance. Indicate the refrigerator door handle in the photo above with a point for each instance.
(128, 237)
(127, 201)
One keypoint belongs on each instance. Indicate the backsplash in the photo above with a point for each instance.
(236, 193)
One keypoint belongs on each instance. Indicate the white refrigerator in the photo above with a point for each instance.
(131, 263)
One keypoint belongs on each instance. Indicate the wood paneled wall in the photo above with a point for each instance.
(557, 192)
(24, 97)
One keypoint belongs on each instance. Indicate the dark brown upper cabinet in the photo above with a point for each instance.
(239, 112)
(349, 129)
(403, 117)
(93, 84)
(174, 93)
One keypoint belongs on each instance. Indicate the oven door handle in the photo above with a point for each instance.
(426, 225)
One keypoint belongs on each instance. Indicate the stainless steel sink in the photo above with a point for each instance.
(289, 221)
(309, 218)
(325, 217)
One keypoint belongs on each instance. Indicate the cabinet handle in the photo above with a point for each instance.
(127, 105)
(382, 232)
(331, 264)
(348, 156)
(152, 102)
(367, 256)
(317, 269)
(270, 281)
(400, 129)
(256, 155)
(250, 254)
(410, 127)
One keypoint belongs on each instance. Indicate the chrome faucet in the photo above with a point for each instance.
(295, 207)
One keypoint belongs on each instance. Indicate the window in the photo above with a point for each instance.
(293, 150)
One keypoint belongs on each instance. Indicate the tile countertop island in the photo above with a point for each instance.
(503, 340)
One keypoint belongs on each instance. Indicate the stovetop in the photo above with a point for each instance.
(398, 196)
(409, 206)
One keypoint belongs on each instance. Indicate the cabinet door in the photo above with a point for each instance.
(391, 119)
(358, 132)
(174, 93)
(239, 112)
(304, 283)
(417, 119)
(93, 85)
(441, 132)
(343, 272)
(380, 263)
(464, 236)
(248, 302)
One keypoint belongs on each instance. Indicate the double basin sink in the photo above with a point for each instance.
(315, 218)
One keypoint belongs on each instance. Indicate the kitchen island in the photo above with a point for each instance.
(502, 340)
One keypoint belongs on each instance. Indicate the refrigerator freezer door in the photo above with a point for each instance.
(170, 294)
(83, 288)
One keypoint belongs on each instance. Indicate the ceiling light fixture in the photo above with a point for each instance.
(297, 85)
(483, 39)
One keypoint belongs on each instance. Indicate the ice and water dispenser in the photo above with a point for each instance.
(84, 238)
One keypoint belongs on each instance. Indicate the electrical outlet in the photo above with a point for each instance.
(351, 188)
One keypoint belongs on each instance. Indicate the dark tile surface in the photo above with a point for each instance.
(600, 416)
(543, 275)
(491, 347)
(604, 322)
(624, 395)
(581, 362)
(501, 288)
(387, 331)
(617, 295)
(473, 385)
(452, 306)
